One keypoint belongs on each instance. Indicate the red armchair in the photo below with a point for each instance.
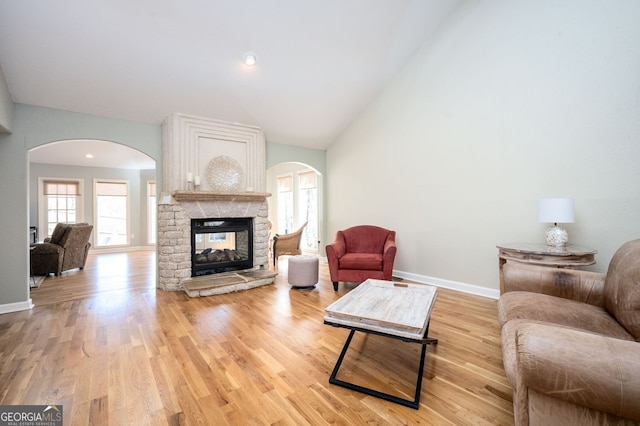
(361, 252)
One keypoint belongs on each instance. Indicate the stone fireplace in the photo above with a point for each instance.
(174, 230)
(189, 144)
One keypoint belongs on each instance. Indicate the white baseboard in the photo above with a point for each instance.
(453, 285)
(120, 249)
(15, 307)
(439, 282)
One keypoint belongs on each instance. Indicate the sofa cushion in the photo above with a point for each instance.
(622, 287)
(58, 233)
(361, 261)
(564, 312)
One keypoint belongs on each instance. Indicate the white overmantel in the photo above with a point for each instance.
(189, 143)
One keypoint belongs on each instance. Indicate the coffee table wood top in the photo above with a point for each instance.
(393, 308)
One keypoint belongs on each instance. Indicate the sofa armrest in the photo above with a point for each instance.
(579, 285)
(581, 368)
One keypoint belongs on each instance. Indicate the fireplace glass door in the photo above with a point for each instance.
(221, 245)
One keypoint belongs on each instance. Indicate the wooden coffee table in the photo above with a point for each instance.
(391, 309)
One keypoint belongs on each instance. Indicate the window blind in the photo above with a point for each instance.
(114, 189)
(61, 188)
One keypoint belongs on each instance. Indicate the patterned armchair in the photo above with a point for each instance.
(66, 249)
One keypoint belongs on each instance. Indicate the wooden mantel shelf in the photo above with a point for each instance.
(219, 196)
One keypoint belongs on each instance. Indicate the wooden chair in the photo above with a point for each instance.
(287, 244)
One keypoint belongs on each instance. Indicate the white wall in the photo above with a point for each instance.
(509, 102)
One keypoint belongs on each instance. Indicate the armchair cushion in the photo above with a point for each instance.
(370, 261)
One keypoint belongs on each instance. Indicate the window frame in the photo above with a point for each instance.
(309, 243)
(152, 212)
(282, 222)
(43, 217)
(97, 244)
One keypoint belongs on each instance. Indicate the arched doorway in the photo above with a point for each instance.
(296, 198)
(87, 165)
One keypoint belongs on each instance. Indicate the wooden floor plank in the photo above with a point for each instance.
(114, 350)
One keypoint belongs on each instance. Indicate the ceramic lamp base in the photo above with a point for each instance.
(556, 236)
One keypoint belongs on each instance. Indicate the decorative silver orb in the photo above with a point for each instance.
(224, 174)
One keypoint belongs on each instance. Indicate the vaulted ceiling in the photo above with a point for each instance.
(319, 63)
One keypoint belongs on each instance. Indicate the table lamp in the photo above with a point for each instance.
(556, 210)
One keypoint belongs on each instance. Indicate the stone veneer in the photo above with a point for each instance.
(174, 229)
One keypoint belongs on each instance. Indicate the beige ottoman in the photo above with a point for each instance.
(303, 271)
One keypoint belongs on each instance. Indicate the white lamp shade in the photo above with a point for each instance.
(556, 210)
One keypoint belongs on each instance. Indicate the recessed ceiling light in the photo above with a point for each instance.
(249, 59)
(89, 155)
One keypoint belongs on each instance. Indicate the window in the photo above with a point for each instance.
(308, 208)
(285, 204)
(112, 224)
(60, 202)
(152, 211)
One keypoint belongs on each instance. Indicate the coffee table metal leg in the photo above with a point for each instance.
(387, 397)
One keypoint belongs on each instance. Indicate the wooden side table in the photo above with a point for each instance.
(569, 256)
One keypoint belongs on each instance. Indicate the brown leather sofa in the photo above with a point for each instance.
(571, 342)
(66, 249)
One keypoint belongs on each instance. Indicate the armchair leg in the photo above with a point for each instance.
(335, 285)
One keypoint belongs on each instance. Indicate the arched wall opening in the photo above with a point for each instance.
(110, 161)
(67, 161)
(297, 196)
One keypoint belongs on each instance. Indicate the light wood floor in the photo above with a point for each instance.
(112, 349)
